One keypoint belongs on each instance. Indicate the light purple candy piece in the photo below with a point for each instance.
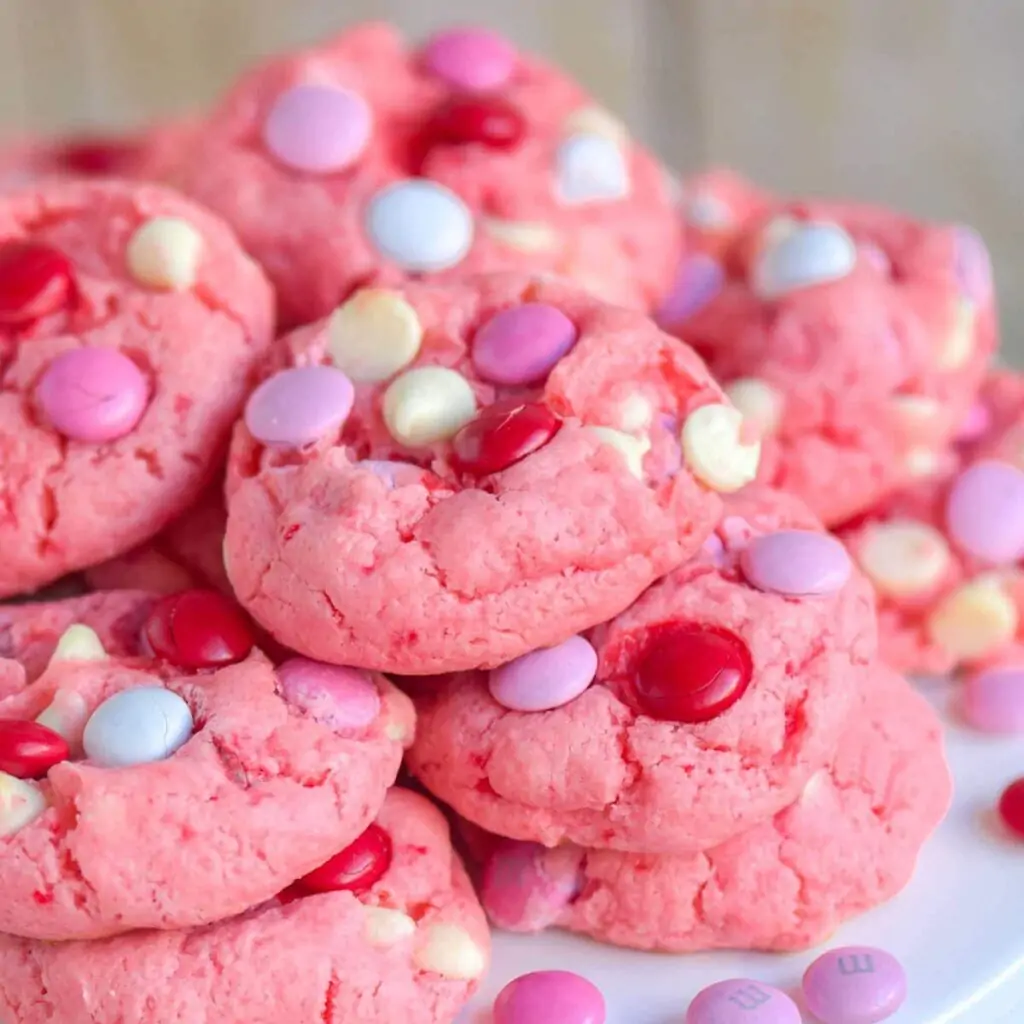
(797, 563)
(985, 512)
(299, 406)
(344, 699)
(698, 280)
(854, 985)
(522, 344)
(993, 700)
(318, 129)
(545, 679)
(742, 1001)
(973, 266)
(470, 58)
(549, 997)
(526, 886)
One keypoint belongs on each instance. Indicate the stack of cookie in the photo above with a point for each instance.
(484, 512)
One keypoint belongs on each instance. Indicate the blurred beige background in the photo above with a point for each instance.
(911, 102)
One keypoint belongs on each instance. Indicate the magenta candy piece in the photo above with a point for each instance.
(985, 512)
(92, 394)
(854, 985)
(317, 128)
(698, 280)
(975, 425)
(797, 563)
(526, 886)
(742, 1001)
(973, 266)
(993, 700)
(299, 406)
(470, 58)
(522, 344)
(343, 698)
(545, 679)
(549, 997)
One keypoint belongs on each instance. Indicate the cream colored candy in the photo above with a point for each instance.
(959, 342)
(635, 414)
(632, 448)
(522, 235)
(165, 253)
(21, 802)
(383, 927)
(427, 404)
(66, 715)
(974, 620)
(450, 951)
(596, 120)
(758, 401)
(903, 557)
(713, 450)
(922, 462)
(78, 643)
(373, 335)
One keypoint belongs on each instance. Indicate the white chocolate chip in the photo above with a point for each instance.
(922, 462)
(78, 643)
(814, 788)
(165, 253)
(66, 715)
(522, 235)
(427, 404)
(713, 449)
(396, 732)
(373, 335)
(916, 415)
(384, 927)
(448, 950)
(632, 448)
(903, 557)
(21, 802)
(959, 342)
(974, 620)
(635, 414)
(758, 401)
(707, 212)
(596, 120)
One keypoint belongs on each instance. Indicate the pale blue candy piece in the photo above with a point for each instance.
(590, 169)
(810, 254)
(137, 727)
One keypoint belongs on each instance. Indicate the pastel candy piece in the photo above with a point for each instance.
(523, 236)
(522, 344)
(812, 254)
(903, 556)
(545, 679)
(973, 265)
(373, 335)
(759, 402)
(450, 951)
(549, 997)
(854, 985)
(975, 425)
(78, 643)
(993, 700)
(472, 59)
(974, 620)
(427, 404)
(299, 406)
(698, 280)
(742, 1001)
(317, 128)
(21, 802)
(525, 886)
(165, 252)
(985, 512)
(716, 450)
(419, 225)
(138, 726)
(796, 563)
(344, 699)
(92, 394)
(590, 168)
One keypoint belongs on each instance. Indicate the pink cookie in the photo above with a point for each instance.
(361, 161)
(130, 327)
(849, 842)
(855, 337)
(717, 695)
(176, 800)
(514, 463)
(410, 948)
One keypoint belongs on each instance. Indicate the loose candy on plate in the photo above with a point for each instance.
(549, 997)
(854, 985)
(742, 1001)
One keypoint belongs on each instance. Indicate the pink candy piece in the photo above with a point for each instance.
(993, 700)
(93, 394)
(343, 698)
(318, 129)
(698, 280)
(797, 563)
(985, 512)
(854, 985)
(299, 406)
(973, 266)
(975, 425)
(742, 1001)
(875, 256)
(526, 886)
(549, 997)
(545, 679)
(522, 344)
(470, 58)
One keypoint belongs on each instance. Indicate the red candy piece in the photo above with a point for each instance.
(1011, 807)
(502, 435)
(489, 121)
(356, 869)
(29, 750)
(35, 281)
(198, 629)
(93, 157)
(691, 673)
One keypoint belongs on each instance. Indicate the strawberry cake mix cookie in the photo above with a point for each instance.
(696, 714)
(849, 842)
(449, 476)
(135, 793)
(388, 930)
(130, 327)
(855, 337)
(362, 161)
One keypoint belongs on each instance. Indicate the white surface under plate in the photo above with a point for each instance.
(958, 928)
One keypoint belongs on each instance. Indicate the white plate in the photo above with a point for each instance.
(958, 928)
